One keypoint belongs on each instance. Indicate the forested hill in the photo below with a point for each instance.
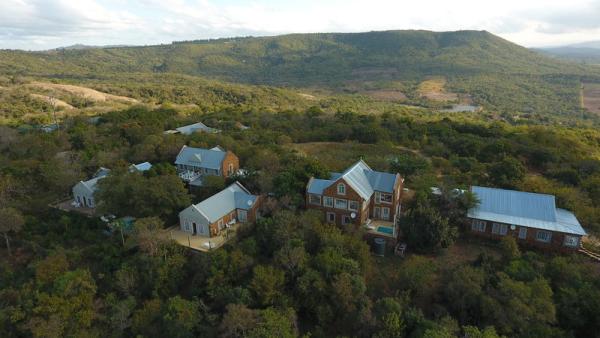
(496, 73)
(303, 59)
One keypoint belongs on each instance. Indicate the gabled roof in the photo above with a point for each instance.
(189, 129)
(235, 196)
(360, 177)
(144, 166)
(199, 157)
(524, 209)
(92, 183)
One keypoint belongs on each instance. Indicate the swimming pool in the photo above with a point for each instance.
(385, 230)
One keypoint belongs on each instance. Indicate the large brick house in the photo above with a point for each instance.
(195, 163)
(234, 204)
(530, 218)
(359, 196)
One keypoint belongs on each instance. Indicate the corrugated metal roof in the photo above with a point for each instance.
(233, 197)
(199, 157)
(189, 129)
(360, 177)
(523, 209)
(357, 178)
(91, 184)
(382, 181)
(316, 186)
(143, 166)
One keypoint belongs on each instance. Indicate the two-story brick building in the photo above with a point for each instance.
(195, 163)
(358, 196)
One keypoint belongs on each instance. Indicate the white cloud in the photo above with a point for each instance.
(39, 24)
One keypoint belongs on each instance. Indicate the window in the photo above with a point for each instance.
(230, 168)
(220, 224)
(341, 189)
(499, 229)
(385, 198)
(353, 205)
(331, 217)
(572, 241)
(543, 236)
(345, 219)
(478, 225)
(377, 197)
(522, 233)
(328, 201)
(314, 199)
(385, 213)
(341, 203)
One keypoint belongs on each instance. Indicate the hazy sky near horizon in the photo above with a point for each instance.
(45, 24)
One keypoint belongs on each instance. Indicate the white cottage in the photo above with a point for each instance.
(234, 204)
(83, 192)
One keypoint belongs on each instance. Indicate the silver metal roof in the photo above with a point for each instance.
(360, 177)
(144, 166)
(189, 129)
(524, 209)
(199, 157)
(235, 196)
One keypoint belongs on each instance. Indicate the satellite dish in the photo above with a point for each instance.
(249, 203)
(353, 215)
(512, 227)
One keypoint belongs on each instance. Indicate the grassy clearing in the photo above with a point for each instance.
(339, 155)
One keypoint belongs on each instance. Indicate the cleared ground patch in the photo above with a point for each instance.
(88, 93)
(591, 97)
(58, 103)
(434, 89)
(386, 95)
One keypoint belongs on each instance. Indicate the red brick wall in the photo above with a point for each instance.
(230, 158)
(556, 242)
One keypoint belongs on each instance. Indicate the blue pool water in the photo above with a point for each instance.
(385, 230)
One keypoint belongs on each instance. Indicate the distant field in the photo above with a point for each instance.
(338, 156)
(591, 97)
(434, 89)
(386, 95)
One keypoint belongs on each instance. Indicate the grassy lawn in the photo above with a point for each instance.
(339, 155)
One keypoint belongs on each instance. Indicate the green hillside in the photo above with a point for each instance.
(497, 73)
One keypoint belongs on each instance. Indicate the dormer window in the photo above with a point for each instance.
(341, 189)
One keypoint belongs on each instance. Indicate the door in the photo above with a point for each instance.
(194, 228)
(385, 213)
(242, 216)
(377, 213)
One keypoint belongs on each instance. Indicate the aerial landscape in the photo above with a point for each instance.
(264, 169)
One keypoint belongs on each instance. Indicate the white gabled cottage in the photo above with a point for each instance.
(83, 192)
(234, 204)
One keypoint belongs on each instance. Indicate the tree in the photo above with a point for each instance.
(275, 323)
(146, 320)
(148, 235)
(267, 284)
(238, 321)
(181, 317)
(509, 248)
(133, 194)
(424, 228)
(68, 307)
(11, 220)
(507, 172)
(389, 320)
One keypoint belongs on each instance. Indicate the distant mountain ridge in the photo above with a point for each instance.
(495, 72)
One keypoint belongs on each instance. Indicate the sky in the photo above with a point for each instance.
(46, 24)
